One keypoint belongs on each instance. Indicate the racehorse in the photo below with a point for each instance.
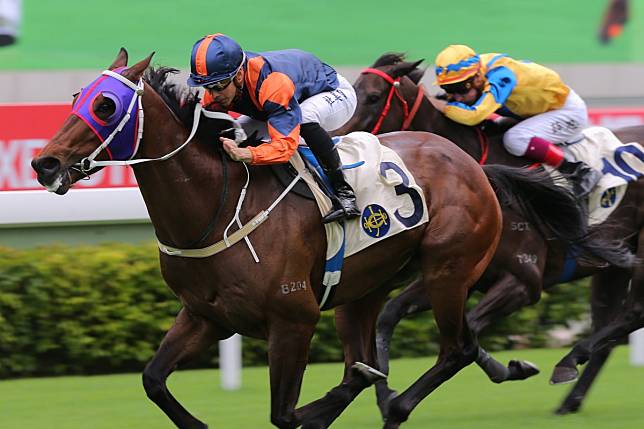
(389, 99)
(230, 293)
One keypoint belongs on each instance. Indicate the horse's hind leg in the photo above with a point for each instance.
(189, 336)
(506, 296)
(355, 324)
(414, 299)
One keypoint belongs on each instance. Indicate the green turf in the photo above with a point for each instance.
(75, 34)
(467, 401)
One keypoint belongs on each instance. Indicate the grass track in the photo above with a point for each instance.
(467, 401)
(77, 34)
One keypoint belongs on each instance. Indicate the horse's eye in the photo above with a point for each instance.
(373, 98)
(106, 108)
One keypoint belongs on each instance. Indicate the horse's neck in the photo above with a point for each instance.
(430, 119)
(182, 193)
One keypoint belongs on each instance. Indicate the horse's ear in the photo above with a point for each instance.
(416, 74)
(406, 69)
(135, 72)
(120, 61)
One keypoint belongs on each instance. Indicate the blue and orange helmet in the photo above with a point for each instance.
(214, 58)
(456, 63)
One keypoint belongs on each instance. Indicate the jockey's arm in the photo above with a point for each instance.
(277, 97)
(501, 82)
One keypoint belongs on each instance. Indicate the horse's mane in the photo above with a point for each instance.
(179, 98)
(389, 58)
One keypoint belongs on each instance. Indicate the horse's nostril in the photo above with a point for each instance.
(46, 166)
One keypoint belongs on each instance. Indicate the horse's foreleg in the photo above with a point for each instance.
(355, 324)
(414, 299)
(189, 336)
(573, 400)
(609, 289)
(629, 319)
(505, 297)
(288, 350)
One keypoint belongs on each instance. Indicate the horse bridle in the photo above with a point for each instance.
(395, 84)
(410, 114)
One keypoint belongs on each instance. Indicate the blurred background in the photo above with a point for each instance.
(80, 289)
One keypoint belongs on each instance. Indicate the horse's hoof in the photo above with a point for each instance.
(563, 375)
(567, 409)
(370, 374)
(521, 369)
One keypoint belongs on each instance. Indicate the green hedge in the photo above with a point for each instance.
(101, 309)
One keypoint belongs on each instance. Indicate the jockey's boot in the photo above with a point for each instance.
(344, 205)
(581, 176)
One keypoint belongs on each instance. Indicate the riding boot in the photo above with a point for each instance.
(581, 176)
(344, 205)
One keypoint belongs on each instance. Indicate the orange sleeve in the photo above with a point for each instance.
(276, 96)
(279, 150)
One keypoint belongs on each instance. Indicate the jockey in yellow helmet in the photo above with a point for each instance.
(550, 113)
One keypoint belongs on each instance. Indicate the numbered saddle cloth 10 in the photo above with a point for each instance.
(619, 162)
(386, 193)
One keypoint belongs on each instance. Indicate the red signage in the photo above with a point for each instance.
(617, 117)
(26, 128)
(24, 131)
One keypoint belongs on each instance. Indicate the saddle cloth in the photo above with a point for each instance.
(620, 163)
(386, 193)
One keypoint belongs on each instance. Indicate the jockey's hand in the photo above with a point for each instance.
(242, 154)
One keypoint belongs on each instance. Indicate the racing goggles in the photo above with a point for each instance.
(219, 85)
(459, 87)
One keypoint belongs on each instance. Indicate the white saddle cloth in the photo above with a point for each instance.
(386, 194)
(619, 162)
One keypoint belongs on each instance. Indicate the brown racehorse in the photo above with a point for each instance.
(390, 98)
(229, 292)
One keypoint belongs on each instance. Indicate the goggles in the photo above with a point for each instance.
(458, 87)
(220, 85)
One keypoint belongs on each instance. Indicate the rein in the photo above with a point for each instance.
(395, 85)
(485, 145)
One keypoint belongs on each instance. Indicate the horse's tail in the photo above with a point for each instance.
(553, 210)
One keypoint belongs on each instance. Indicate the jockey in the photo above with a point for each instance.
(283, 95)
(550, 113)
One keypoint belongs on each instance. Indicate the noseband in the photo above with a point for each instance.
(395, 84)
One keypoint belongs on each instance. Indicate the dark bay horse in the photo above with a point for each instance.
(389, 98)
(229, 293)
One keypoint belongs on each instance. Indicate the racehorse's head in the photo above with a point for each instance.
(380, 90)
(104, 124)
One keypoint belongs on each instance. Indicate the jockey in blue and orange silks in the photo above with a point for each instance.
(550, 112)
(283, 95)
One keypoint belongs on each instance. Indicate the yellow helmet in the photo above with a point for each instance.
(456, 63)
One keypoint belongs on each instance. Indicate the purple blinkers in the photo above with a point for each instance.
(124, 144)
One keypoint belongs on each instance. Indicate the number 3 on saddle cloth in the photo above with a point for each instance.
(620, 163)
(386, 193)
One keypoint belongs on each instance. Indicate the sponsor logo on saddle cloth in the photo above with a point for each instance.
(619, 162)
(386, 193)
